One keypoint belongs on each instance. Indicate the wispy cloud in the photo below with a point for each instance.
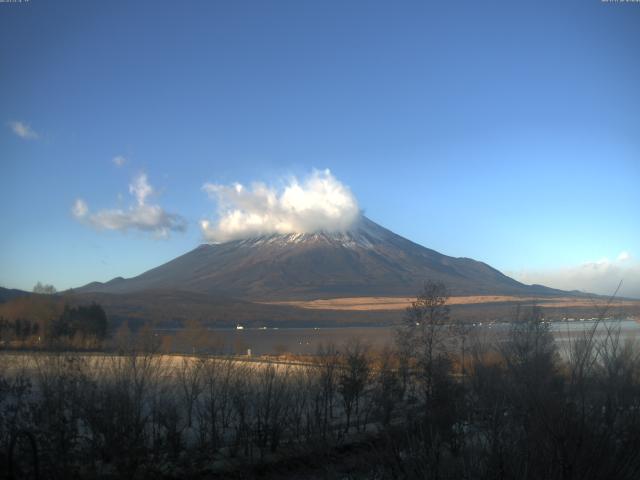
(119, 160)
(23, 130)
(80, 209)
(320, 202)
(601, 276)
(139, 216)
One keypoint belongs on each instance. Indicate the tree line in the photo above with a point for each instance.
(82, 322)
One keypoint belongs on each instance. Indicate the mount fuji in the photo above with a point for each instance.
(367, 260)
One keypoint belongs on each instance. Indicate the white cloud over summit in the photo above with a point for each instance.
(139, 216)
(601, 277)
(320, 202)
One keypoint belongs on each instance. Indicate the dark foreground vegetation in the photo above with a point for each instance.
(444, 403)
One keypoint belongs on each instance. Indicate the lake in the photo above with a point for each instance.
(265, 341)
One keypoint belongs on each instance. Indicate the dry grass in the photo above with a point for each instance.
(400, 303)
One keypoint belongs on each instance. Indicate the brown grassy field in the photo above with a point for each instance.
(400, 303)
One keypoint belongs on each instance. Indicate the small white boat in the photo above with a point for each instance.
(239, 327)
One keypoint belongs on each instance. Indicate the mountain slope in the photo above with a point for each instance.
(368, 260)
(7, 294)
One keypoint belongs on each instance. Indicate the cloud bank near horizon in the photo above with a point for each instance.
(319, 202)
(140, 216)
(601, 277)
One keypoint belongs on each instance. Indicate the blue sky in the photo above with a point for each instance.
(502, 131)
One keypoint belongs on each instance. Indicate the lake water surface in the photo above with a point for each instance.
(308, 340)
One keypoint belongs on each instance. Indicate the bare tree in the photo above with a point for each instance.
(425, 332)
(388, 389)
(44, 289)
(328, 361)
(215, 408)
(353, 379)
(190, 381)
